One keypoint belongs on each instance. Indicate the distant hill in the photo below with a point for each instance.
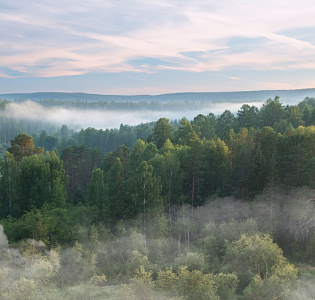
(286, 96)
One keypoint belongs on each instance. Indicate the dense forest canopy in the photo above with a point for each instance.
(220, 200)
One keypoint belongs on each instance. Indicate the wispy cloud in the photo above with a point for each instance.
(45, 38)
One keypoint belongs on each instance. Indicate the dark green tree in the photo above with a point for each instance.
(247, 116)
(9, 185)
(271, 112)
(258, 173)
(161, 132)
(169, 170)
(116, 190)
(185, 133)
(34, 183)
(216, 173)
(294, 116)
(57, 180)
(97, 192)
(78, 166)
(204, 126)
(145, 190)
(225, 122)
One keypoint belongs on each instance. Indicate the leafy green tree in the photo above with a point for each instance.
(34, 185)
(271, 112)
(122, 152)
(9, 185)
(161, 132)
(116, 188)
(268, 140)
(59, 229)
(225, 122)
(195, 285)
(57, 180)
(297, 160)
(136, 155)
(78, 166)
(216, 171)
(194, 168)
(97, 192)
(42, 181)
(51, 142)
(169, 170)
(64, 132)
(204, 126)
(241, 146)
(258, 173)
(149, 151)
(247, 116)
(255, 255)
(294, 116)
(167, 148)
(35, 225)
(144, 191)
(185, 133)
(42, 138)
(307, 116)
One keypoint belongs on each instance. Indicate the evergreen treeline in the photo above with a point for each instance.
(164, 178)
(273, 114)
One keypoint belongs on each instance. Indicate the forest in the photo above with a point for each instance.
(216, 207)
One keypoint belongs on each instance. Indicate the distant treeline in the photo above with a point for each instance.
(46, 135)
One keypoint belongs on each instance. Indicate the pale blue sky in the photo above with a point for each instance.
(155, 47)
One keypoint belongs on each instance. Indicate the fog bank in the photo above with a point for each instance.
(103, 119)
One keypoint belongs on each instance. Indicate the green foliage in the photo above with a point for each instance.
(278, 286)
(23, 146)
(195, 285)
(97, 192)
(138, 194)
(162, 132)
(9, 187)
(144, 190)
(226, 285)
(192, 260)
(247, 116)
(225, 122)
(116, 190)
(271, 112)
(258, 256)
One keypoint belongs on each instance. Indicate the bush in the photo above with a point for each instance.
(166, 280)
(226, 285)
(193, 261)
(195, 285)
(251, 255)
(22, 289)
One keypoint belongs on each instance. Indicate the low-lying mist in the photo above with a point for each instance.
(100, 261)
(106, 119)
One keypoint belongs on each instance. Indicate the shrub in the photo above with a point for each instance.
(226, 285)
(193, 261)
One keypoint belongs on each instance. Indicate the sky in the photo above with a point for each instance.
(156, 47)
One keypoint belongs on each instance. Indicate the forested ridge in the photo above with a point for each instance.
(219, 207)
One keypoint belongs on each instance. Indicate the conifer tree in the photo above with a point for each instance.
(116, 191)
(23, 146)
(161, 132)
(97, 193)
